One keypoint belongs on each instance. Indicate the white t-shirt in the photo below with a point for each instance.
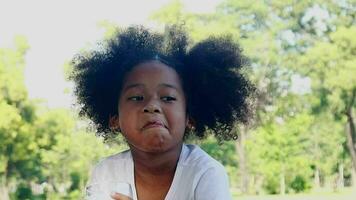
(198, 176)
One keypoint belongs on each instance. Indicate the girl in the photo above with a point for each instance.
(155, 90)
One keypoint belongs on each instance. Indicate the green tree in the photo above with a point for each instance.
(332, 70)
(40, 146)
(64, 142)
(18, 158)
(279, 37)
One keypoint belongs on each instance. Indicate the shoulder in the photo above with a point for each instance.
(112, 166)
(194, 156)
(114, 159)
(210, 178)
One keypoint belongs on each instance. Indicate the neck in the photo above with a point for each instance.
(154, 172)
(156, 164)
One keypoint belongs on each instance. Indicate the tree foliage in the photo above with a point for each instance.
(44, 153)
(302, 61)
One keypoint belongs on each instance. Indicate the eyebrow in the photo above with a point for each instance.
(140, 85)
(132, 86)
(168, 85)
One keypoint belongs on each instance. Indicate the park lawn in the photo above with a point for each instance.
(346, 194)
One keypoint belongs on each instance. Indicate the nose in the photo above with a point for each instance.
(152, 107)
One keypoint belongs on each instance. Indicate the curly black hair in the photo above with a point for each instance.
(217, 94)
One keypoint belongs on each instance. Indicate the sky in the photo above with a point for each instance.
(57, 30)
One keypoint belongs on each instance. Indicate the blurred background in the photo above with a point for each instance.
(301, 144)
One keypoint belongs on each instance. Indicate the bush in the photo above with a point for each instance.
(299, 184)
(23, 191)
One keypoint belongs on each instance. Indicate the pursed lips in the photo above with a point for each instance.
(153, 124)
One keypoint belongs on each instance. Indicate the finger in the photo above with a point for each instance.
(118, 196)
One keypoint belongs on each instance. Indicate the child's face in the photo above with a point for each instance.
(152, 108)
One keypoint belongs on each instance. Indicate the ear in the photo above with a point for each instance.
(190, 123)
(114, 122)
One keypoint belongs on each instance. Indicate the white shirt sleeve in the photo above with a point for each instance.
(213, 185)
(93, 186)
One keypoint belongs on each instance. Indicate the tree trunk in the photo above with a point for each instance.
(353, 177)
(340, 180)
(240, 148)
(282, 184)
(316, 178)
(350, 133)
(259, 185)
(4, 193)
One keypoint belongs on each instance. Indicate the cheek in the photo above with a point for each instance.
(177, 119)
(126, 118)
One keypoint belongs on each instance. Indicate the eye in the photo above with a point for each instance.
(135, 98)
(168, 98)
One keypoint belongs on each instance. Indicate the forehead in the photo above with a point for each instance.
(152, 73)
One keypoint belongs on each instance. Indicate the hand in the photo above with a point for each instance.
(118, 196)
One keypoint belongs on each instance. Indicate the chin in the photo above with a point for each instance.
(156, 147)
(159, 147)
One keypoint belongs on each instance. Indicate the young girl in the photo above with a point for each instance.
(155, 89)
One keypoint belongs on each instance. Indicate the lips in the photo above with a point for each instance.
(154, 124)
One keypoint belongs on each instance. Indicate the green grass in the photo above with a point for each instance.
(345, 194)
